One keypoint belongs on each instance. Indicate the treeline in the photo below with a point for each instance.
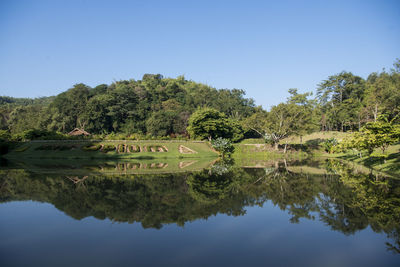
(158, 106)
(344, 102)
(154, 105)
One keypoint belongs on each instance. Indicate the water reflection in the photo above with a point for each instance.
(344, 200)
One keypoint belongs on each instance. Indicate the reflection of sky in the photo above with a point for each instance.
(40, 234)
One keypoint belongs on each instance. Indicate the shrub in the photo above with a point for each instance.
(329, 144)
(35, 134)
(4, 135)
(223, 146)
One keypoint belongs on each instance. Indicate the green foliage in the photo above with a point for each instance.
(295, 117)
(155, 106)
(207, 123)
(34, 134)
(340, 98)
(223, 146)
(329, 144)
(4, 135)
(379, 134)
(161, 107)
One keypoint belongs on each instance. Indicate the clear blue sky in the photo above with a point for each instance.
(263, 47)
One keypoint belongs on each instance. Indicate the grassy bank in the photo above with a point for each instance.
(111, 166)
(391, 166)
(139, 150)
(254, 152)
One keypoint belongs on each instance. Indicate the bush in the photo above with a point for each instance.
(223, 146)
(114, 136)
(4, 135)
(35, 134)
(329, 144)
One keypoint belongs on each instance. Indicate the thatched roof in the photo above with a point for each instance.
(78, 131)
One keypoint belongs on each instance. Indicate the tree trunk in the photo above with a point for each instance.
(301, 139)
(375, 112)
(276, 146)
(284, 150)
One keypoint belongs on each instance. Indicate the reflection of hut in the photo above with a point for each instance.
(77, 131)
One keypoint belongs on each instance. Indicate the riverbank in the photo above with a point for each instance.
(254, 151)
(391, 165)
(123, 149)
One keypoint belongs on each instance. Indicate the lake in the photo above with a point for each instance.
(323, 213)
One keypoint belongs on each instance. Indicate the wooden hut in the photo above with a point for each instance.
(78, 131)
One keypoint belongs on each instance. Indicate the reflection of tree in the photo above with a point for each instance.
(151, 200)
(346, 202)
(378, 198)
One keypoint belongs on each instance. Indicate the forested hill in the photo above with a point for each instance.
(161, 106)
(4, 100)
(154, 105)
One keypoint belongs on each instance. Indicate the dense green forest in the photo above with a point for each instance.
(158, 106)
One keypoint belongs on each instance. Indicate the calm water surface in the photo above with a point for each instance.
(285, 215)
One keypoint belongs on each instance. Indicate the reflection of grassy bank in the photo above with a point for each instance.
(110, 149)
(391, 166)
(251, 151)
(110, 166)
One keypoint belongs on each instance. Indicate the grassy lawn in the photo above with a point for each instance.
(251, 154)
(146, 150)
(391, 166)
(254, 152)
(315, 136)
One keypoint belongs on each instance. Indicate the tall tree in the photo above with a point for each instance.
(335, 95)
(207, 123)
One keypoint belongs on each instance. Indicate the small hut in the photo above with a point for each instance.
(78, 131)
